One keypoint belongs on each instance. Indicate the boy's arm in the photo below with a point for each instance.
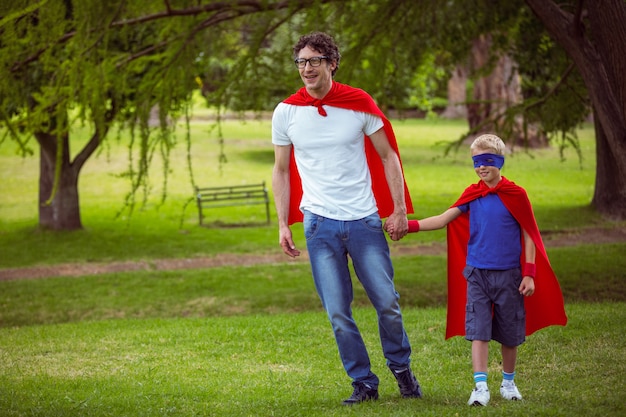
(430, 223)
(527, 287)
(440, 221)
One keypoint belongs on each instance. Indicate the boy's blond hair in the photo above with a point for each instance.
(489, 142)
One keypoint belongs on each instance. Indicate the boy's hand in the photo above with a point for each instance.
(388, 227)
(527, 287)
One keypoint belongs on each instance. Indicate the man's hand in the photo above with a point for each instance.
(286, 242)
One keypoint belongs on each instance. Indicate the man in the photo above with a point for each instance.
(337, 169)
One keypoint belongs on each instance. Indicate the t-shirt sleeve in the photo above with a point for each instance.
(464, 207)
(280, 136)
(372, 124)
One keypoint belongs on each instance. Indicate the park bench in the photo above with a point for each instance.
(234, 195)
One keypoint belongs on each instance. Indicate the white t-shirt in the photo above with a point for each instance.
(330, 154)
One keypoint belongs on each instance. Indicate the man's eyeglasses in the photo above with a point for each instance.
(316, 61)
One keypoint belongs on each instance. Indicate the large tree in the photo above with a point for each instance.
(111, 62)
(570, 55)
(593, 33)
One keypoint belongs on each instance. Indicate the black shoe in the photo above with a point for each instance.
(362, 392)
(409, 387)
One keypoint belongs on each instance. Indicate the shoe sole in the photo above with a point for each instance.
(350, 403)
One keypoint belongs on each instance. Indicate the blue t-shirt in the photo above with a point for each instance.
(495, 235)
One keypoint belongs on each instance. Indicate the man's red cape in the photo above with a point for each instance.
(347, 97)
(545, 307)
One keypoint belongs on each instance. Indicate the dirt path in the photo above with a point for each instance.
(552, 239)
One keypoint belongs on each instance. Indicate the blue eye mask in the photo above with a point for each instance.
(488, 160)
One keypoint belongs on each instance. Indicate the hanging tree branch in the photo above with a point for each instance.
(238, 8)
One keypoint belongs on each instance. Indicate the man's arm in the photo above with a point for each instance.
(395, 180)
(282, 191)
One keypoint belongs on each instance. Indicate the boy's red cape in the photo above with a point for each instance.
(545, 307)
(351, 98)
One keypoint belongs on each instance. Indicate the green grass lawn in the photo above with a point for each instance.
(287, 365)
(584, 275)
(253, 340)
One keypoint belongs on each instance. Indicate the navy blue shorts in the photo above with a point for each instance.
(495, 308)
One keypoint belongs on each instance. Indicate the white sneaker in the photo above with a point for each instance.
(509, 391)
(480, 396)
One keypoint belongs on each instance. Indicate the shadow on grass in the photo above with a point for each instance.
(262, 156)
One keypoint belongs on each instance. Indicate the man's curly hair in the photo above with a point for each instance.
(321, 42)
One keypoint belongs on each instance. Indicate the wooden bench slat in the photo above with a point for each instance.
(213, 196)
(234, 195)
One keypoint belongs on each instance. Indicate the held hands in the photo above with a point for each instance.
(396, 226)
(413, 226)
(388, 227)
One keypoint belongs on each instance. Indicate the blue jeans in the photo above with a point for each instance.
(329, 242)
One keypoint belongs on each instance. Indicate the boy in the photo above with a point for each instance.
(494, 242)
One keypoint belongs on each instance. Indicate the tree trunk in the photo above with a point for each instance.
(457, 95)
(609, 196)
(494, 92)
(479, 107)
(595, 39)
(58, 209)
